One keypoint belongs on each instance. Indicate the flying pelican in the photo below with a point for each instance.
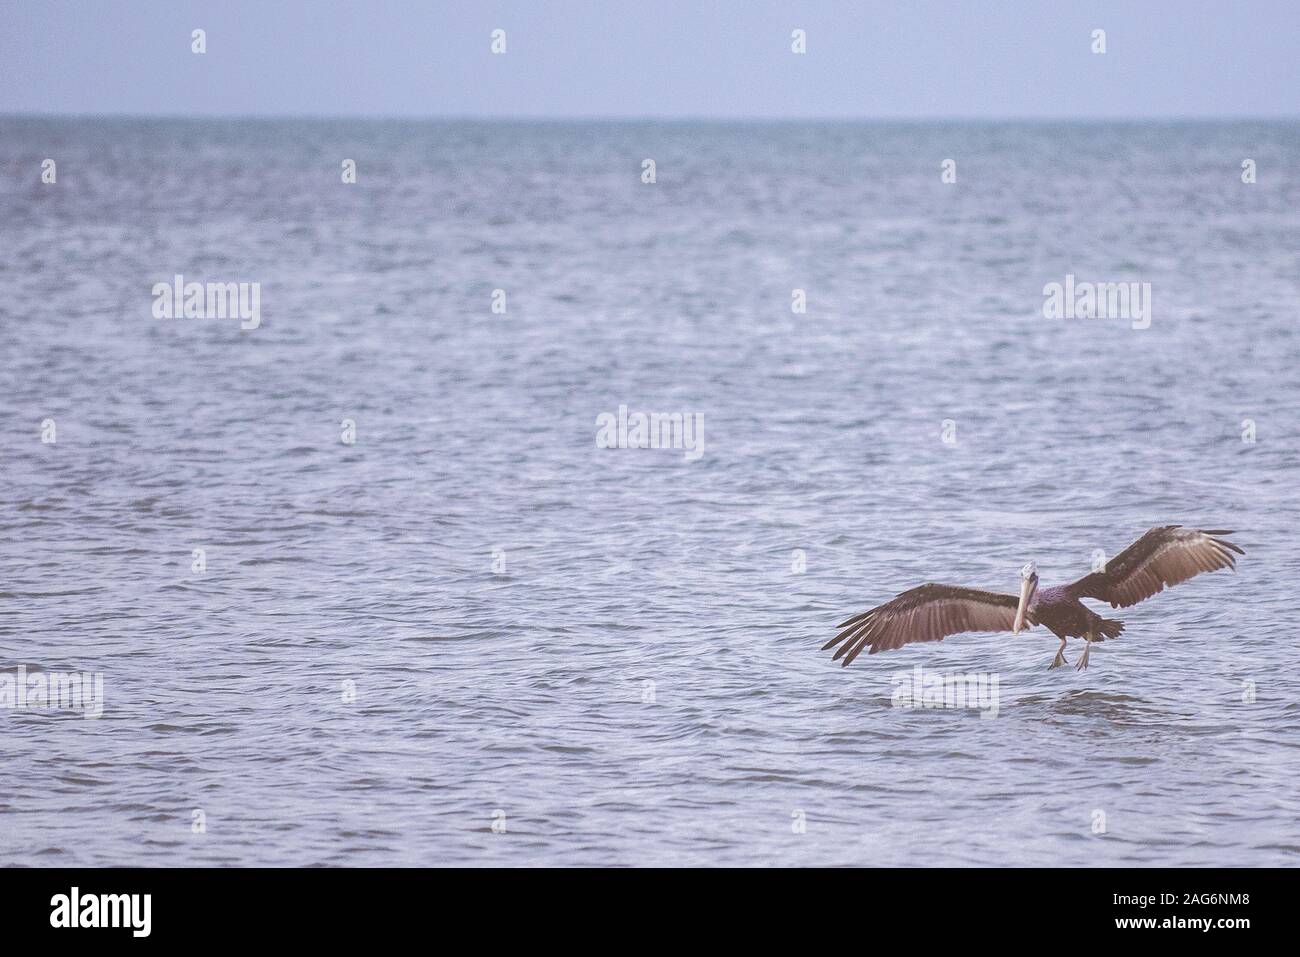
(1165, 555)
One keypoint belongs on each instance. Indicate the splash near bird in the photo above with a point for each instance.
(1164, 556)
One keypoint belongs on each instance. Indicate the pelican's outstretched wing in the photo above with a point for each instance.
(925, 613)
(1164, 556)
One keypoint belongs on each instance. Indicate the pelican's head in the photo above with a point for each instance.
(1028, 585)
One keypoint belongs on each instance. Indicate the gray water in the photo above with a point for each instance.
(641, 682)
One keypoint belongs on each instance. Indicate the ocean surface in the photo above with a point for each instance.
(471, 636)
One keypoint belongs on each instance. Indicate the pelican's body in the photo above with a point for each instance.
(1164, 556)
(1060, 611)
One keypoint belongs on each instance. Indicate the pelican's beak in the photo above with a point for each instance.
(1026, 592)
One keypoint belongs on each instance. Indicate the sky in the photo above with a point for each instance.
(922, 59)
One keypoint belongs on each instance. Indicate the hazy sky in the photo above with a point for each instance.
(724, 58)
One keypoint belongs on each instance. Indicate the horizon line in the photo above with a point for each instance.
(651, 117)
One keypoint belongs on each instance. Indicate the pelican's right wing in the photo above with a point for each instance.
(925, 613)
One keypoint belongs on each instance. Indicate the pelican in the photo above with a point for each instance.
(1164, 556)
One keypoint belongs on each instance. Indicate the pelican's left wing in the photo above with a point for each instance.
(1164, 556)
(925, 613)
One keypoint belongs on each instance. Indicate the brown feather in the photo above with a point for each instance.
(927, 613)
(1165, 556)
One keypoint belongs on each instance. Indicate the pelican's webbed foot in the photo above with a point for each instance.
(1060, 657)
(1083, 659)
